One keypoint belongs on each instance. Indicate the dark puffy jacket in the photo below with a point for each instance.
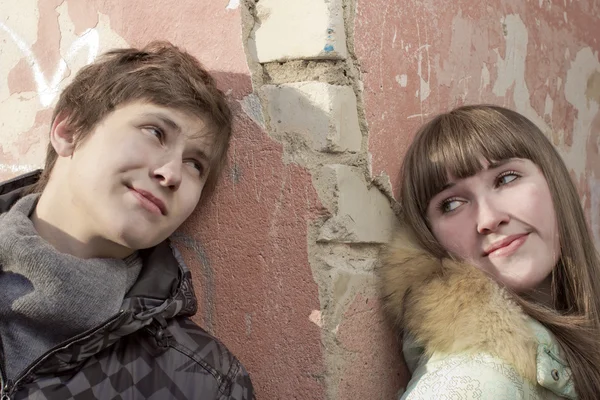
(149, 350)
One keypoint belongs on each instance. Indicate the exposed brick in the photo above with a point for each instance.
(307, 29)
(362, 215)
(326, 114)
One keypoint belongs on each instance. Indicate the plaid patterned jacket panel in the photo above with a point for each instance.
(180, 362)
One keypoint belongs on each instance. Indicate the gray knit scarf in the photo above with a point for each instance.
(47, 297)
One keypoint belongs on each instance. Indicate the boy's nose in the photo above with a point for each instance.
(169, 174)
(490, 217)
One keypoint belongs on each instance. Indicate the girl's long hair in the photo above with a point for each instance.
(455, 143)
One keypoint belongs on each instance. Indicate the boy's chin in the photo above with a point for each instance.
(140, 242)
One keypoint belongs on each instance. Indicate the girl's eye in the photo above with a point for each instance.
(197, 166)
(449, 205)
(506, 178)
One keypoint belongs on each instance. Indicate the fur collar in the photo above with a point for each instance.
(452, 307)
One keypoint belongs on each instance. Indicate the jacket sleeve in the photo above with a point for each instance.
(241, 385)
(469, 378)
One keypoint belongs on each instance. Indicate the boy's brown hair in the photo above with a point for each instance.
(160, 73)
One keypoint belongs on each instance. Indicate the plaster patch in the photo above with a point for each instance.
(485, 77)
(592, 91)
(233, 4)
(548, 105)
(424, 90)
(402, 80)
(584, 66)
(315, 318)
(511, 70)
(252, 108)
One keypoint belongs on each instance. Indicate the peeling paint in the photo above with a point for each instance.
(583, 66)
(252, 108)
(402, 80)
(315, 318)
(592, 91)
(549, 105)
(233, 4)
(424, 89)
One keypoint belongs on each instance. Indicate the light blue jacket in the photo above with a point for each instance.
(483, 376)
(465, 337)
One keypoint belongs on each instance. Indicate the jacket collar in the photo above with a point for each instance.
(162, 291)
(447, 307)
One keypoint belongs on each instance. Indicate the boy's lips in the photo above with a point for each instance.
(147, 196)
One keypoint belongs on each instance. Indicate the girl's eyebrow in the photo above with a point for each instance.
(498, 164)
(200, 155)
(490, 166)
(448, 185)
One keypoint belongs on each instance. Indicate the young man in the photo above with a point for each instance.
(94, 300)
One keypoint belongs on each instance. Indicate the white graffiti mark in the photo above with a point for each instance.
(233, 4)
(47, 91)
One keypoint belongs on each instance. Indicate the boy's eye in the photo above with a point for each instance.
(506, 177)
(154, 131)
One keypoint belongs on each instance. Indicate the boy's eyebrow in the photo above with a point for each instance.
(165, 120)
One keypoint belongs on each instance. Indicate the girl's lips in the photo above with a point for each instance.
(507, 247)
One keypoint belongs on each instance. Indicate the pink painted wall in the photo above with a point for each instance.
(251, 248)
(247, 248)
(420, 58)
(540, 58)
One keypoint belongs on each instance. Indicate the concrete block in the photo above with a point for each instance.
(362, 214)
(326, 114)
(299, 29)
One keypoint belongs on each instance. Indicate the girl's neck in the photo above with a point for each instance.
(542, 294)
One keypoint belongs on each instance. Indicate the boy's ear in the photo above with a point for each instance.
(62, 136)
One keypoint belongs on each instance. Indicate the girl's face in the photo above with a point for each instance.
(502, 220)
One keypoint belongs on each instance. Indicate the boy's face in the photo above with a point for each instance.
(137, 177)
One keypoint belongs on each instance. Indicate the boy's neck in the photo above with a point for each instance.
(57, 225)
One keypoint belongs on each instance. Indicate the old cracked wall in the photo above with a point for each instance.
(327, 95)
(419, 58)
(248, 248)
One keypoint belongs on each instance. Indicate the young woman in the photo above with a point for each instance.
(494, 281)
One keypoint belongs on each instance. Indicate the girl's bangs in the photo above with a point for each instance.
(458, 148)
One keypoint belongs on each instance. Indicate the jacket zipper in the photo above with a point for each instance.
(4, 382)
(7, 386)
